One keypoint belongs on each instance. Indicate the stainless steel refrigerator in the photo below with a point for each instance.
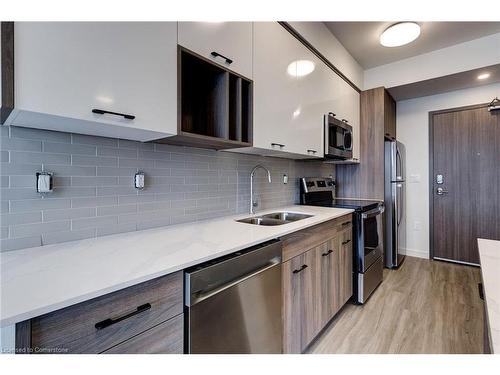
(395, 205)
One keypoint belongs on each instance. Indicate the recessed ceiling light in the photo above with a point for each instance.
(483, 76)
(400, 34)
(300, 68)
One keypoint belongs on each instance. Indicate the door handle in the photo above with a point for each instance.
(304, 266)
(327, 253)
(441, 191)
(102, 112)
(227, 59)
(110, 321)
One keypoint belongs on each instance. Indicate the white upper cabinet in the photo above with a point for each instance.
(276, 97)
(347, 108)
(226, 43)
(115, 79)
(285, 99)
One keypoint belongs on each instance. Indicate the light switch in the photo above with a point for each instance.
(285, 179)
(139, 180)
(44, 182)
(414, 178)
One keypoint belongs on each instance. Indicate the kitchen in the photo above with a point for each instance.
(262, 187)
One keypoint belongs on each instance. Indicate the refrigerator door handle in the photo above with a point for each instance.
(399, 196)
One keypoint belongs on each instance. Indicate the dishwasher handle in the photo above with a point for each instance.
(199, 296)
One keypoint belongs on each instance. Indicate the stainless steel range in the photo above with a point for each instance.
(368, 235)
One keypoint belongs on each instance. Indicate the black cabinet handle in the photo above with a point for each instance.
(304, 266)
(332, 114)
(344, 120)
(313, 151)
(480, 290)
(346, 242)
(110, 321)
(217, 54)
(327, 253)
(277, 144)
(346, 223)
(102, 112)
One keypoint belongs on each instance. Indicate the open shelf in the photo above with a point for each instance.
(215, 105)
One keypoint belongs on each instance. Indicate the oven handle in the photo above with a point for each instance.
(373, 213)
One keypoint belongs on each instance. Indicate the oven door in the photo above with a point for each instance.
(338, 139)
(372, 237)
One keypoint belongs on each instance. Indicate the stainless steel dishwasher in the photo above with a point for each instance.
(233, 304)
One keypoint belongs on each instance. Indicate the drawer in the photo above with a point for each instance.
(297, 243)
(346, 237)
(101, 323)
(165, 338)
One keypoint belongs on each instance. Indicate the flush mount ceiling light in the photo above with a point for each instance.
(300, 68)
(400, 34)
(483, 76)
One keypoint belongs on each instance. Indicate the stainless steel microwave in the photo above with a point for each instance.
(338, 138)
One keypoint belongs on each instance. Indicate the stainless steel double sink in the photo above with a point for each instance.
(275, 218)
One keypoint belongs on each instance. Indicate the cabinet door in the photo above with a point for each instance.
(67, 69)
(276, 99)
(165, 338)
(330, 274)
(345, 266)
(231, 43)
(300, 298)
(389, 116)
(309, 118)
(352, 116)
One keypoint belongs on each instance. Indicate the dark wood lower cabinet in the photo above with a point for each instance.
(165, 338)
(106, 322)
(316, 284)
(301, 316)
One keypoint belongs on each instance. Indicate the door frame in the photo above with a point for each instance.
(431, 170)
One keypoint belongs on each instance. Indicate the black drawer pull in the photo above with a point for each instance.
(110, 321)
(344, 120)
(277, 144)
(346, 242)
(327, 253)
(102, 112)
(346, 223)
(304, 266)
(217, 54)
(313, 151)
(332, 114)
(480, 290)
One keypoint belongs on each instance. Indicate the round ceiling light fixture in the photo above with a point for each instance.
(483, 76)
(400, 34)
(300, 68)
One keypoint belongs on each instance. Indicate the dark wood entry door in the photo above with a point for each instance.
(465, 151)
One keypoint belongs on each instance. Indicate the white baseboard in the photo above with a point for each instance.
(417, 253)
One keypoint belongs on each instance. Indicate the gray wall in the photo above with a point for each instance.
(94, 195)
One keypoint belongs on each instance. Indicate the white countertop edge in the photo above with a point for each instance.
(280, 231)
(489, 249)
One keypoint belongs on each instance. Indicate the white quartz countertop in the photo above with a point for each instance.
(39, 280)
(489, 254)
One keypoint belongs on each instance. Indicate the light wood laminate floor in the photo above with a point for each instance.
(423, 307)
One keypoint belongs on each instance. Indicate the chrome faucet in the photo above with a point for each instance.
(252, 203)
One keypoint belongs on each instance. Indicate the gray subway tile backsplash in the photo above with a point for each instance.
(94, 194)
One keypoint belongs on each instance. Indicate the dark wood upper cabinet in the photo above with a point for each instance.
(214, 105)
(389, 116)
(378, 122)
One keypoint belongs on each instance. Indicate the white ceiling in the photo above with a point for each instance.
(361, 39)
